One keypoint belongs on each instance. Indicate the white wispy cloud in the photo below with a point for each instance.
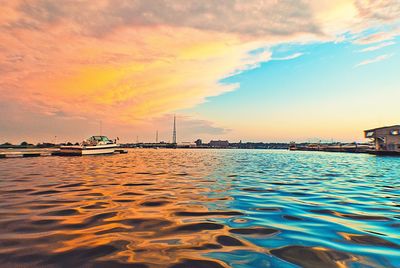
(377, 37)
(290, 57)
(379, 46)
(374, 60)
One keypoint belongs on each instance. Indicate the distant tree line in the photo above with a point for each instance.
(259, 145)
(25, 144)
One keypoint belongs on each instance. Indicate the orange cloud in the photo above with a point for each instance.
(123, 61)
(128, 75)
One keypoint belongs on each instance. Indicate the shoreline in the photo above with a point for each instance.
(47, 152)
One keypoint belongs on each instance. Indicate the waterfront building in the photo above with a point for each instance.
(219, 144)
(185, 144)
(386, 139)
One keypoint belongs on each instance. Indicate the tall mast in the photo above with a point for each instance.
(174, 131)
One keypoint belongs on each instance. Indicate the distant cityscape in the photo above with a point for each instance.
(216, 144)
(383, 140)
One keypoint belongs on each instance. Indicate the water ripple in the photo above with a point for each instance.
(201, 208)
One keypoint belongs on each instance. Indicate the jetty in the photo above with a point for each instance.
(333, 147)
(383, 141)
(39, 152)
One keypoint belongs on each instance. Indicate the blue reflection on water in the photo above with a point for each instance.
(201, 208)
(344, 202)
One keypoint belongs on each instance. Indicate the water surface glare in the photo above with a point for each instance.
(201, 208)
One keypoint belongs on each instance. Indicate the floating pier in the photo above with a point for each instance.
(343, 148)
(25, 153)
(12, 153)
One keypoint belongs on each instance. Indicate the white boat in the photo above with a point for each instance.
(92, 146)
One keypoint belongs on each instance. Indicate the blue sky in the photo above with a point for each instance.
(233, 69)
(322, 85)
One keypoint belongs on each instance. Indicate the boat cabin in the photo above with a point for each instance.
(385, 138)
(99, 140)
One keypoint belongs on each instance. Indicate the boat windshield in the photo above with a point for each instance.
(99, 138)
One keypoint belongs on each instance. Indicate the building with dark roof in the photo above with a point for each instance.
(386, 139)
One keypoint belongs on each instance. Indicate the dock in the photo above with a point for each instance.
(18, 153)
(342, 148)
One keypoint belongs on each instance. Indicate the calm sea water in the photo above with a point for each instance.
(201, 208)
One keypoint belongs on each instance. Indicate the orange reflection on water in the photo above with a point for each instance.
(156, 208)
(126, 209)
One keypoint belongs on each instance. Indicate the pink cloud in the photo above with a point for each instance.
(129, 61)
(377, 37)
(382, 10)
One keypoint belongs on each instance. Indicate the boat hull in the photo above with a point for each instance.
(388, 153)
(88, 150)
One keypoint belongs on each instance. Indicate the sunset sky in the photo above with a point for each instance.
(248, 70)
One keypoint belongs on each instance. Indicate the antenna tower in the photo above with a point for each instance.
(174, 132)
